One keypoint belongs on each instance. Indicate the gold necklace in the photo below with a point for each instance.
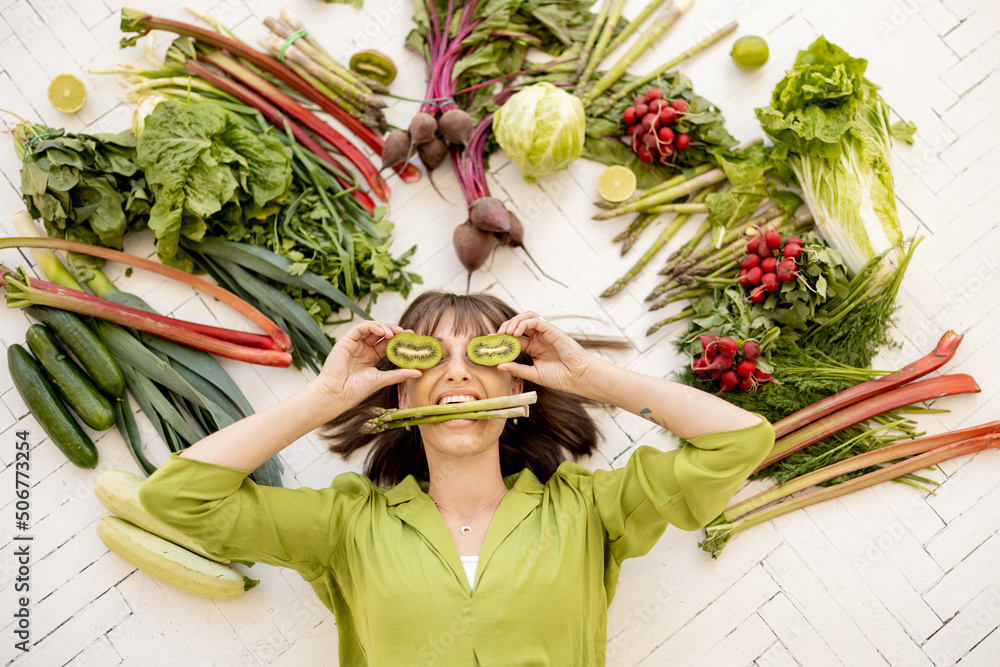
(466, 527)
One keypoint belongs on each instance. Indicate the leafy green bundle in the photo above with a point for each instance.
(84, 187)
(830, 125)
(200, 163)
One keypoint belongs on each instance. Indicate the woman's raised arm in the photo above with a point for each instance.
(560, 363)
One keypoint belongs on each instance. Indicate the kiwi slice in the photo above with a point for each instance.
(408, 350)
(374, 65)
(493, 350)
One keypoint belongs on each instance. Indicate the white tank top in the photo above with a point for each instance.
(470, 563)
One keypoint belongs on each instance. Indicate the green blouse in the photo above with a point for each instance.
(383, 561)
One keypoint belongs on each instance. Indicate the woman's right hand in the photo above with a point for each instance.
(349, 373)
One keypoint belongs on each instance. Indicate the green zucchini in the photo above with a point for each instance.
(40, 397)
(71, 383)
(90, 350)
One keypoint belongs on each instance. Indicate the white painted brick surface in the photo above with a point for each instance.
(892, 576)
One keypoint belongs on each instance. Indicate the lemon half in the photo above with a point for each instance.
(67, 93)
(616, 184)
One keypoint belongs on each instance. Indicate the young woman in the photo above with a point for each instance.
(466, 542)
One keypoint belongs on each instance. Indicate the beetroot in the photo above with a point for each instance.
(433, 153)
(396, 149)
(489, 215)
(514, 236)
(423, 127)
(455, 126)
(473, 246)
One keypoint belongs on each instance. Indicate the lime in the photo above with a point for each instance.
(616, 184)
(67, 93)
(749, 52)
(375, 65)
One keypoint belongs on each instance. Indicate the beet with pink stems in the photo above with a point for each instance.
(423, 127)
(456, 126)
(473, 246)
(490, 215)
(433, 153)
(396, 149)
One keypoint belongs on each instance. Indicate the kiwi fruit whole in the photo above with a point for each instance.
(493, 350)
(409, 350)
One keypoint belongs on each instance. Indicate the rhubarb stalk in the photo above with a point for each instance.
(916, 392)
(254, 348)
(941, 355)
(276, 333)
(718, 534)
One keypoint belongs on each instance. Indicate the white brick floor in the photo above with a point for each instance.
(889, 576)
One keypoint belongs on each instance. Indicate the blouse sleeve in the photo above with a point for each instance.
(234, 518)
(687, 487)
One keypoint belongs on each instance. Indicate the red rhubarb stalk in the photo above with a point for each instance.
(891, 452)
(223, 342)
(718, 534)
(142, 23)
(943, 353)
(277, 334)
(923, 390)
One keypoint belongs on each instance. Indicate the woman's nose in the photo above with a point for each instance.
(457, 369)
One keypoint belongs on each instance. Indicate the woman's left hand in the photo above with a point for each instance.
(559, 361)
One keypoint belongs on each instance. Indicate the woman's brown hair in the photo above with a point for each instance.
(558, 423)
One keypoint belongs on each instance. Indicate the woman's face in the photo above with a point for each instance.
(455, 378)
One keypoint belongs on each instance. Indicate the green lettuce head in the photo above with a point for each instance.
(541, 129)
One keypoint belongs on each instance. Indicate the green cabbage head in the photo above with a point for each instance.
(541, 128)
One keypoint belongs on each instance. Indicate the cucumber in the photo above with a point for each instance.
(55, 419)
(118, 491)
(171, 564)
(71, 383)
(88, 348)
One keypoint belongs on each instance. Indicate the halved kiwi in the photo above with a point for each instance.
(375, 65)
(493, 350)
(409, 350)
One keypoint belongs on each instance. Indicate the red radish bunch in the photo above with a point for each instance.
(650, 122)
(768, 262)
(731, 365)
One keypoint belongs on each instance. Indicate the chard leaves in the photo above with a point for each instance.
(84, 187)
